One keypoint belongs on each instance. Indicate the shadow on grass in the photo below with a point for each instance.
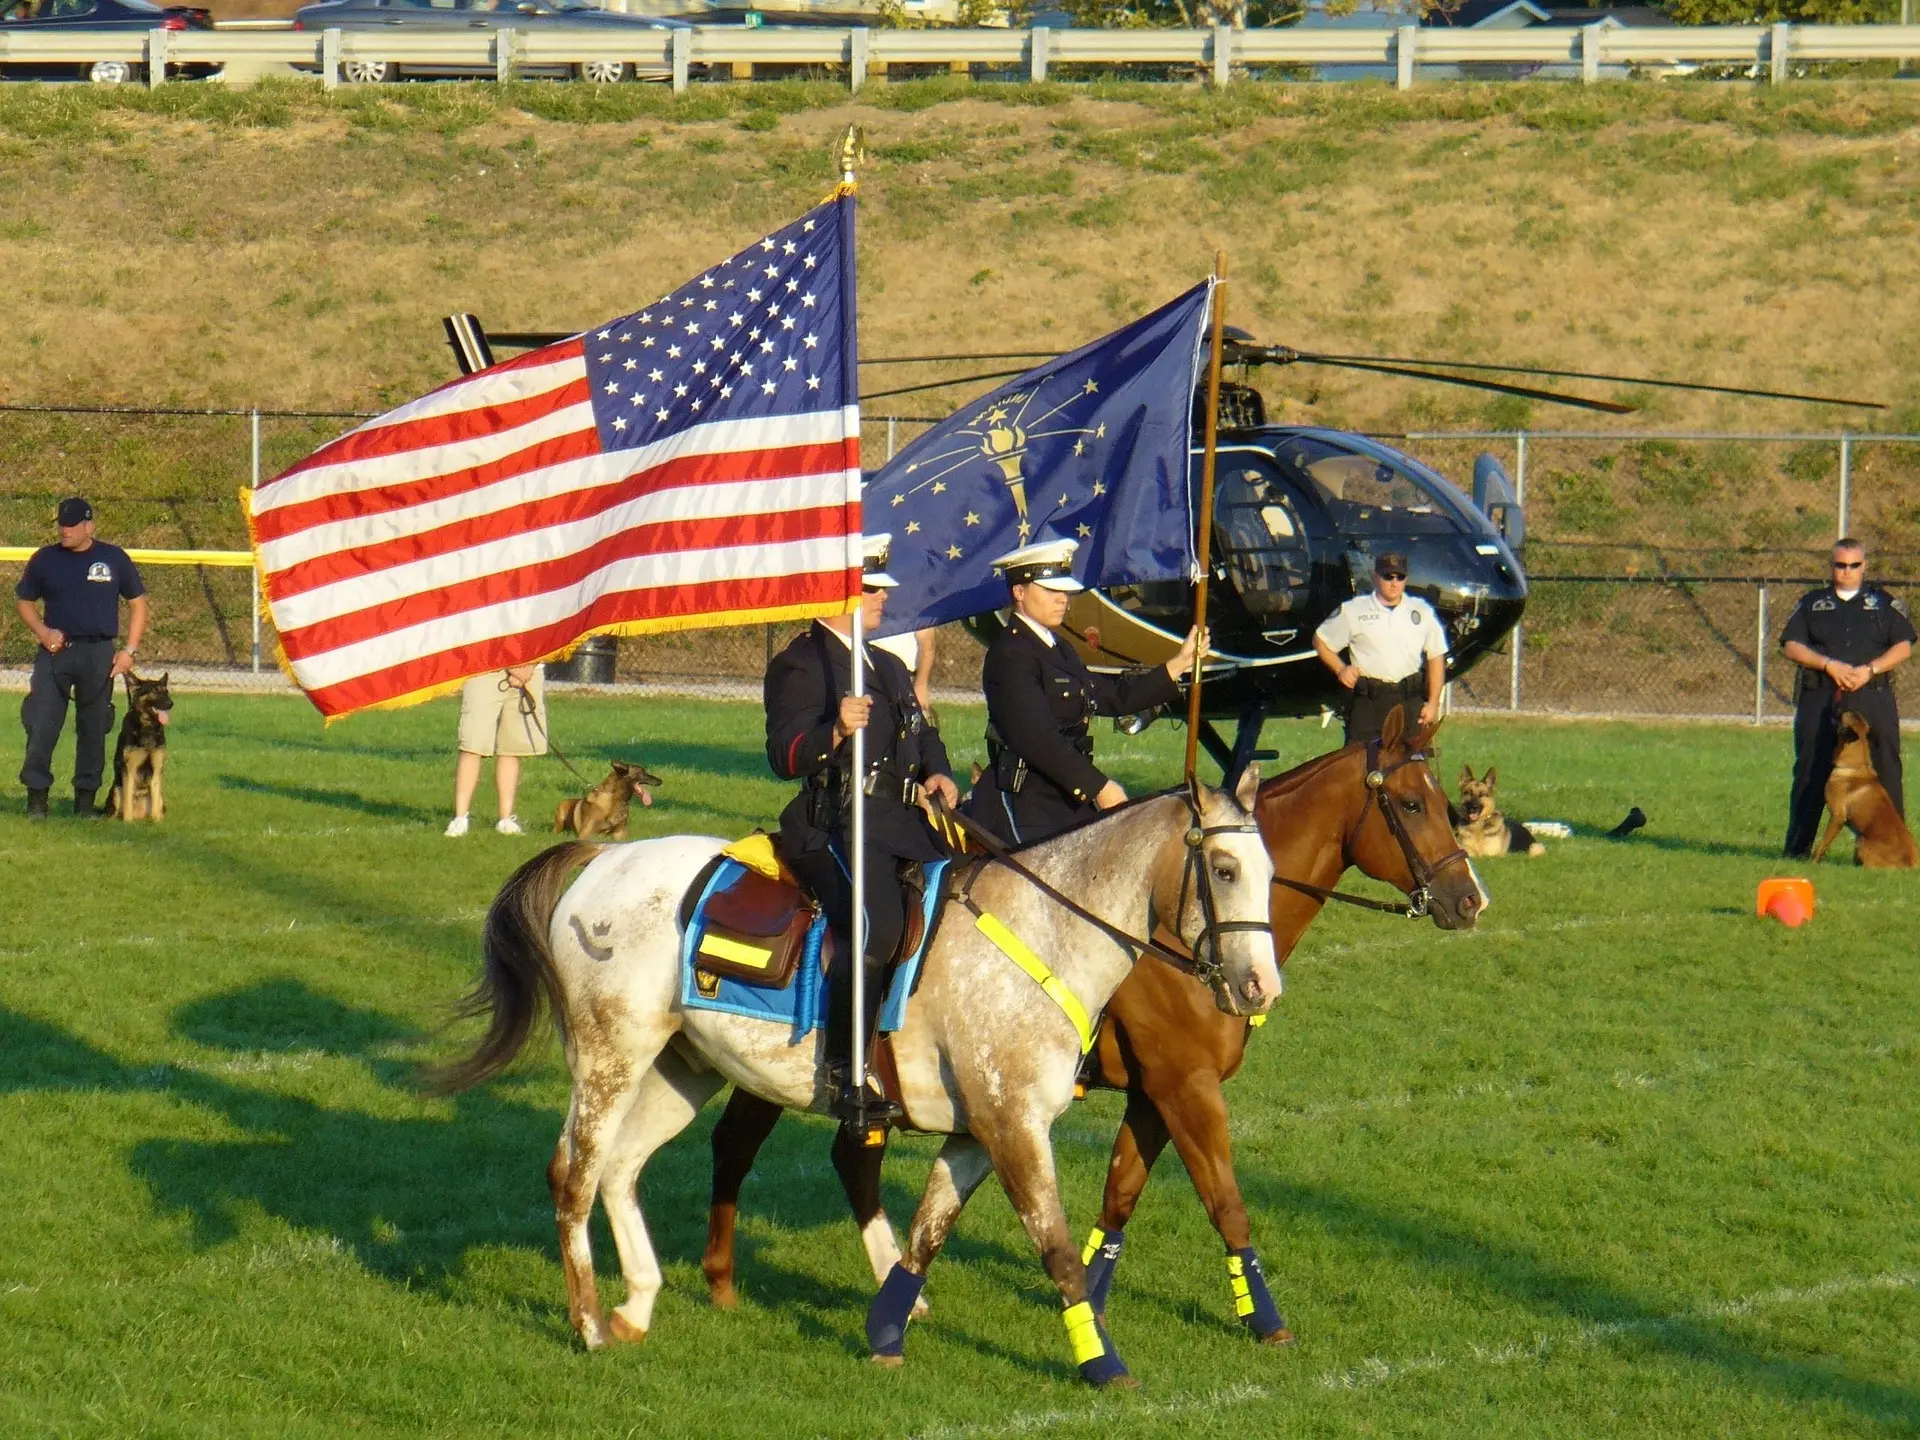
(1463, 1262)
(1640, 839)
(338, 799)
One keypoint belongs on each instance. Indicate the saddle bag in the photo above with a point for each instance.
(754, 930)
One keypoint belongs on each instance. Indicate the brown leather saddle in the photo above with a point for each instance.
(755, 926)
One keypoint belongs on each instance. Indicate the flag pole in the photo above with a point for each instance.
(1204, 521)
(849, 149)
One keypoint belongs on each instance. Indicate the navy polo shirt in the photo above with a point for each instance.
(81, 589)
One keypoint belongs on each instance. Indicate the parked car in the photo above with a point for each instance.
(482, 15)
(36, 17)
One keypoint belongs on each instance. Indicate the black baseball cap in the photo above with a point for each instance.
(1391, 562)
(74, 511)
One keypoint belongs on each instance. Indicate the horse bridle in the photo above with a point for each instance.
(1210, 971)
(1420, 898)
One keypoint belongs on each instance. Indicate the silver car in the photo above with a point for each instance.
(481, 15)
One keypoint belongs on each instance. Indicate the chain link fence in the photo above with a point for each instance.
(1662, 566)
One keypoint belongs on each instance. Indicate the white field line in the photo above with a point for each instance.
(1375, 1371)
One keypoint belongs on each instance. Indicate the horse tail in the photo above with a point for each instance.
(519, 974)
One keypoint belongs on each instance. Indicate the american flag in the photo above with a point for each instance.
(694, 463)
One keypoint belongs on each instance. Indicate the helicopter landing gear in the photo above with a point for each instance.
(1246, 737)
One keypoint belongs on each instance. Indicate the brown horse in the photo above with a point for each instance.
(1162, 1040)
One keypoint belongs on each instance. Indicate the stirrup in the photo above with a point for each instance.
(867, 1111)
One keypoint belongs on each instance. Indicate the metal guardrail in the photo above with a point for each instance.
(866, 53)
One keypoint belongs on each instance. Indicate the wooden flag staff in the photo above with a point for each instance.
(1204, 519)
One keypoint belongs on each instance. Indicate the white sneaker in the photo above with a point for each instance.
(507, 825)
(456, 827)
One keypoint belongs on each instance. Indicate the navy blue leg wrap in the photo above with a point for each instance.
(1252, 1301)
(1101, 1255)
(888, 1314)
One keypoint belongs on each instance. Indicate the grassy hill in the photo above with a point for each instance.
(283, 248)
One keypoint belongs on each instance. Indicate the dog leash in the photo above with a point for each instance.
(530, 712)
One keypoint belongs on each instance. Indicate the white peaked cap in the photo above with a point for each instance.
(1048, 564)
(873, 551)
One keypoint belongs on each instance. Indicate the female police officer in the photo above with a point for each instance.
(1040, 697)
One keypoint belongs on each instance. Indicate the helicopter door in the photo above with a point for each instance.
(1261, 543)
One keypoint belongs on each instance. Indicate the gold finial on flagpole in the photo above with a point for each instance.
(853, 149)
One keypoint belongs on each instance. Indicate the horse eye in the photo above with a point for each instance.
(1224, 874)
(1412, 807)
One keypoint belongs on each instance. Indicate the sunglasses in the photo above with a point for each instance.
(1392, 574)
(1848, 564)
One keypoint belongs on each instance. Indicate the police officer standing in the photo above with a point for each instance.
(1399, 650)
(1845, 637)
(1040, 698)
(811, 717)
(80, 583)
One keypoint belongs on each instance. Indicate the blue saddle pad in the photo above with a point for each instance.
(802, 1004)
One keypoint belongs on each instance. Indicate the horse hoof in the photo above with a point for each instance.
(1282, 1336)
(724, 1297)
(625, 1332)
(593, 1334)
(889, 1362)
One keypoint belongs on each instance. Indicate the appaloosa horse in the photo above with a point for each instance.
(1378, 808)
(987, 1055)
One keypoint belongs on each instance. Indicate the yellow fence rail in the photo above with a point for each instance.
(230, 559)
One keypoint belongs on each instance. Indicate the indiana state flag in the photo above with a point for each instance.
(1090, 447)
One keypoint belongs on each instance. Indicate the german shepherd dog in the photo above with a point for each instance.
(140, 759)
(1479, 826)
(603, 809)
(1856, 797)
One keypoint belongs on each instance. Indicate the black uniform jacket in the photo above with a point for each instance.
(1040, 699)
(1850, 631)
(803, 699)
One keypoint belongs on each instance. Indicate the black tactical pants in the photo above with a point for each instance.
(82, 673)
(820, 872)
(1373, 700)
(1816, 726)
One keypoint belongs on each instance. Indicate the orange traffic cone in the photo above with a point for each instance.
(1788, 900)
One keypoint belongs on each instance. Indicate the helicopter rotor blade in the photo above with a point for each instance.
(937, 384)
(1617, 379)
(940, 359)
(1551, 397)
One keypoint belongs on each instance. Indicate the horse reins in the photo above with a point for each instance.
(1209, 972)
(1420, 899)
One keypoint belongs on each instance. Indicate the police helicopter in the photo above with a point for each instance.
(1299, 514)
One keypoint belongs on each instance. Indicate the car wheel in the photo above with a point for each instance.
(110, 72)
(604, 72)
(368, 72)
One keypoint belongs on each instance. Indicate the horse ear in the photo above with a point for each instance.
(1249, 787)
(1395, 728)
(1197, 793)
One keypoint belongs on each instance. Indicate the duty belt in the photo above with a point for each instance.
(1368, 687)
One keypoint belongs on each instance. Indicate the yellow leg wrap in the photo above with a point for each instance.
(1094, 1242)
(1242, 1293)
(1082, 1333)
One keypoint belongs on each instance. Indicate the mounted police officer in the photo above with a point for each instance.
(811, 717)
(1845, 637)
(80, 583)
(1040, 698)
(1399, 650)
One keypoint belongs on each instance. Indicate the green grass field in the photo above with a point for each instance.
(1625, 1161)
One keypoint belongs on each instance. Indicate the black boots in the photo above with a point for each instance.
(83, 803)
(864, 1110)
(36, 804)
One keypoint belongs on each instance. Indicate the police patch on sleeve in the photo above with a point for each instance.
(1899, 605)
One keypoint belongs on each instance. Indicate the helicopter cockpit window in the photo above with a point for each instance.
(1258, 539)
(1365, 494)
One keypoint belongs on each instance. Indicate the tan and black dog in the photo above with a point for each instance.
(140, 759)
(1856, 797)
(1480, 828)
(603, 809)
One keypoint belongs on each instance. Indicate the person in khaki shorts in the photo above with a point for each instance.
(494, 721)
